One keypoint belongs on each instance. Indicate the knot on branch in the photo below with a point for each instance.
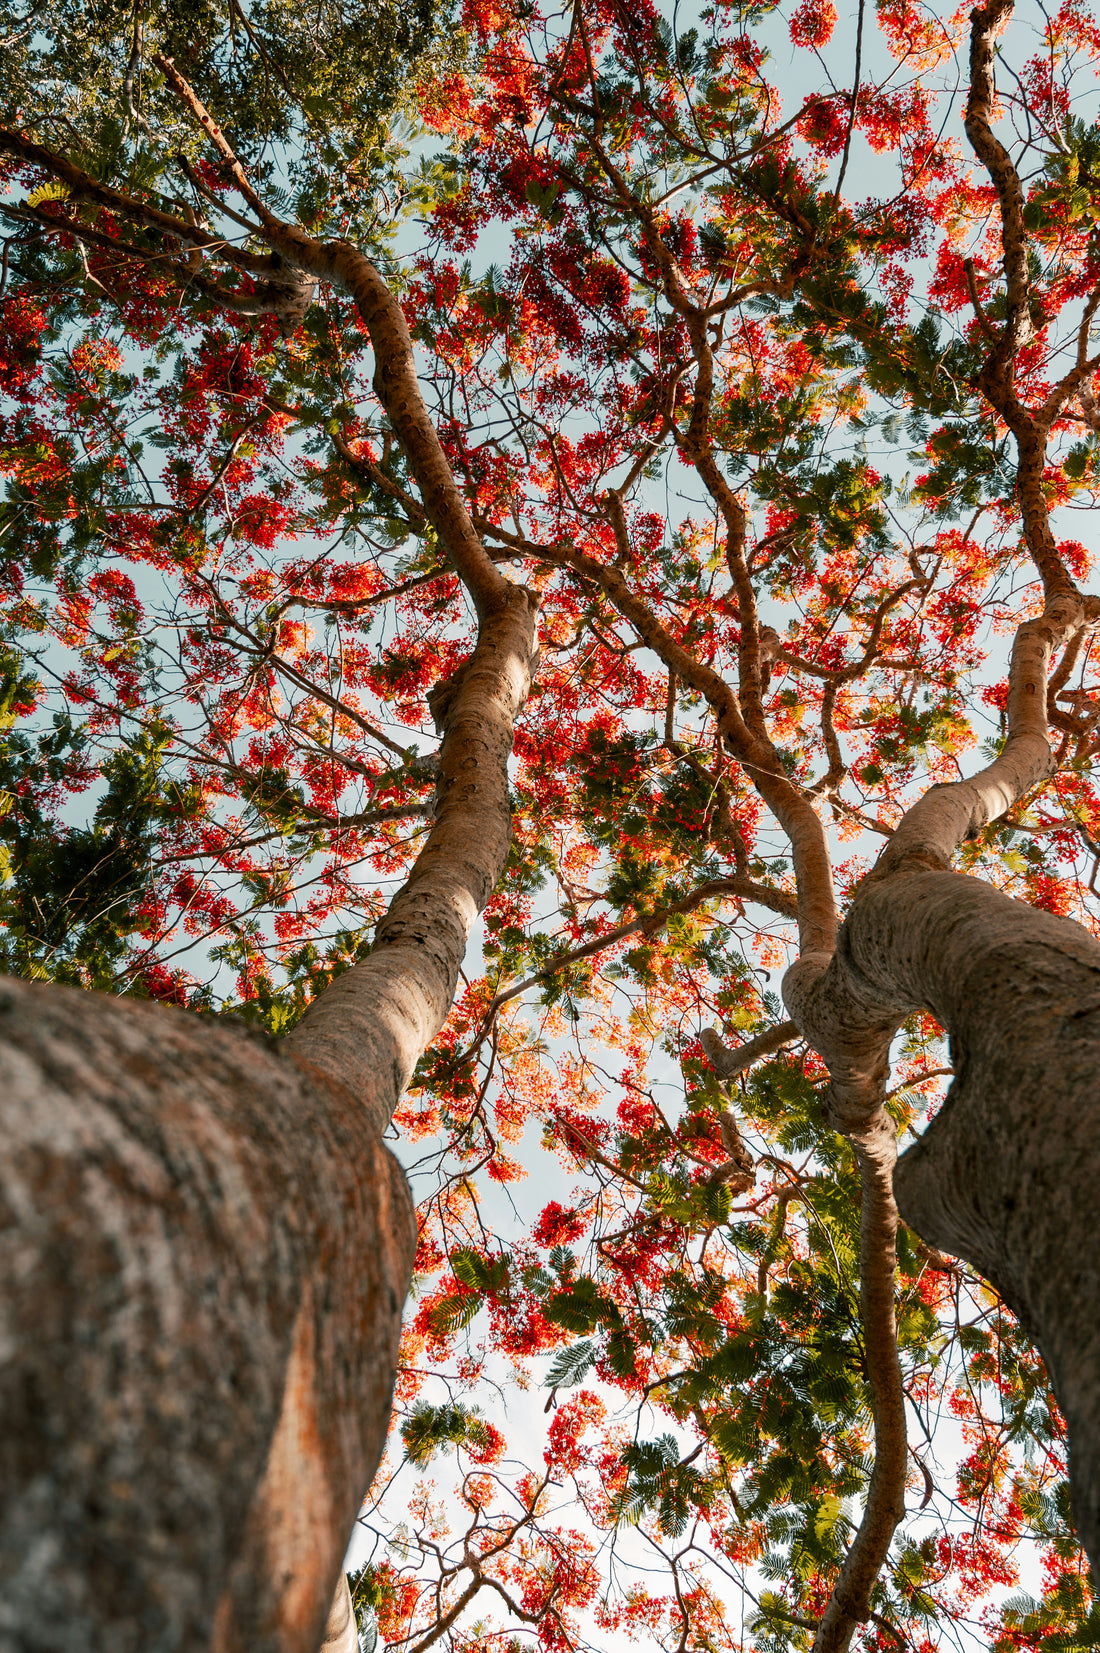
(442, 697)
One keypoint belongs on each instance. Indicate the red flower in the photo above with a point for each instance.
(557, 1226)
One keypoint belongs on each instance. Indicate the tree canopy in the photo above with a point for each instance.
(759, 345)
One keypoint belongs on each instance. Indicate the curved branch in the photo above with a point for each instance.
(730, 1064)
(985, 24)
(932, 830)
(395, 382)
(997, 378)
(817, 914)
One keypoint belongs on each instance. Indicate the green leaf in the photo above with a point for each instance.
(452, 1313)
(570, 1366)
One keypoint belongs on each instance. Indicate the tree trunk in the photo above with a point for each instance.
(207, 1247)
(341, 1635)
(205, 1252)
(1006, 1175)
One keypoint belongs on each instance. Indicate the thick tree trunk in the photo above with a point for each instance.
(205, 1251)
(1006, 1175)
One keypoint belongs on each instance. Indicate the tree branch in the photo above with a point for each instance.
(730, 1064)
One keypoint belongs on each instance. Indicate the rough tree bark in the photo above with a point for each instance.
(204, 1251)
(204, 1247)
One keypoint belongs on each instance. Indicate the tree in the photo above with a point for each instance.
(757, 645)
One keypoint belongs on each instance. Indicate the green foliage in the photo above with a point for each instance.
(275, 72)
(659, 1481)
(582, 1307)
(570, 1365)
(428, 1430)
(71, 894)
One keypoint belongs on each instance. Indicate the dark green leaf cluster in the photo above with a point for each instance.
(478, 1278)
(70, 893)
(661, 1482)
(275, 72)
(430, 1429)
(307, 971)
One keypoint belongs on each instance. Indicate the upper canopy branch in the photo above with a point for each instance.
(817, 915)
(214, 132)
(737, 888)
(395, 383)
(267, 300)
(985, 23)
(776, 649)
(83, 187)
(997, 378)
